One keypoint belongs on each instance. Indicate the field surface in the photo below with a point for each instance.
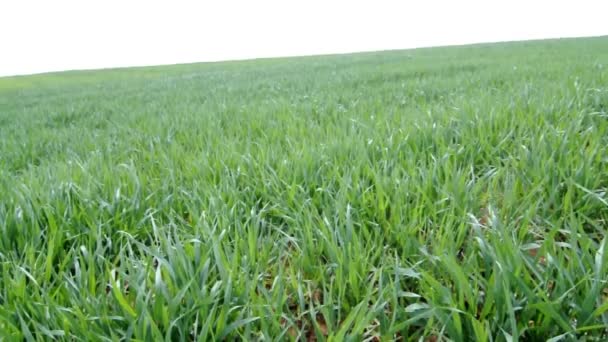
(455, 193)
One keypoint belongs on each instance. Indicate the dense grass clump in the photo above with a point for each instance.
(442, 194)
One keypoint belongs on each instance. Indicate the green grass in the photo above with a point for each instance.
(453, 193)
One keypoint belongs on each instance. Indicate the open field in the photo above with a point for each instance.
(454, 193)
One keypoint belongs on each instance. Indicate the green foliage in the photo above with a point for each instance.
(445, 194)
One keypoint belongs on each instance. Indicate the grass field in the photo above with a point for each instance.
(453, 193)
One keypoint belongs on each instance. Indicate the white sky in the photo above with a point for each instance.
(45, 35)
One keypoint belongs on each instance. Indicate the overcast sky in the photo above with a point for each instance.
(40, 36)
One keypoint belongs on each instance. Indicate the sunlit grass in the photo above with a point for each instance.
(443, 194)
